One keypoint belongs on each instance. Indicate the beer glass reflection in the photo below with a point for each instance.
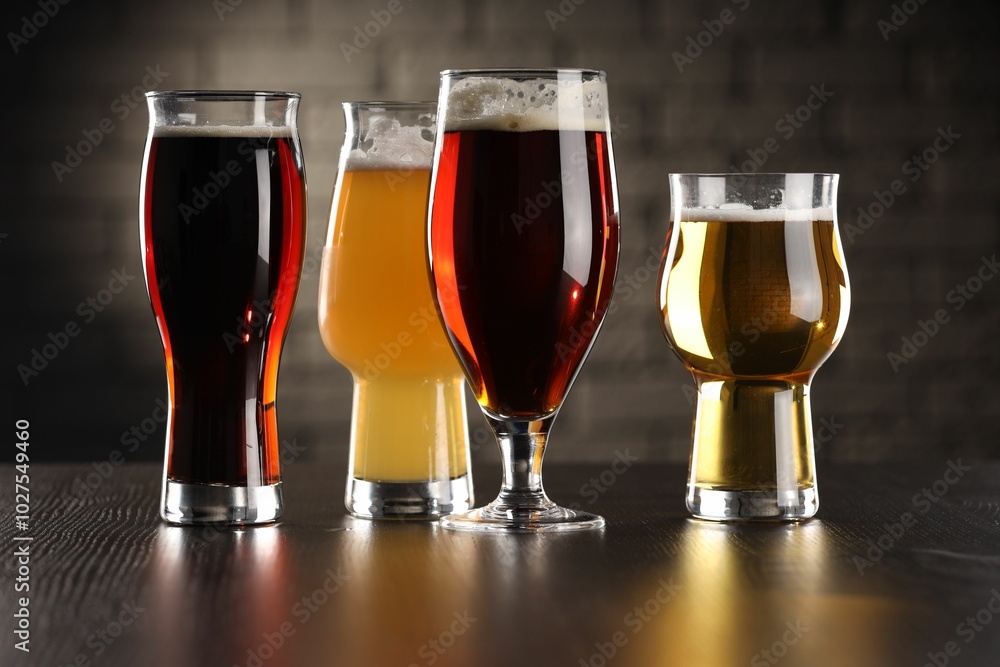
(754, 297)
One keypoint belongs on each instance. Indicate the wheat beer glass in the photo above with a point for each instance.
(754, 296)
(524, 250)
(409, 436)
(222, 222)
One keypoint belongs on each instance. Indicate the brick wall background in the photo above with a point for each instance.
(889, 95)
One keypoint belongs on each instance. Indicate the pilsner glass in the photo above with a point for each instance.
(409, 436)
(754, 296)
(524, 251)
(222, 210)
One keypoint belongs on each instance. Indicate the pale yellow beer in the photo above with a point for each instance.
(754, 296)
(729, 312)
(377, 317)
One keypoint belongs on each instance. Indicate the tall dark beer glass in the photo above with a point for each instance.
(222, 230)
(523, 250)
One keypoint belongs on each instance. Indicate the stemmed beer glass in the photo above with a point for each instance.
(523, 235)
(754, 296)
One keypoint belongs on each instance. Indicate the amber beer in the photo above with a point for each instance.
(409, 435)
(222, 233)
(530, 252)
(378, 319)
(524, 252)
(753, 302)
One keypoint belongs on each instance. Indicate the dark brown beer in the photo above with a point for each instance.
(524, 238)
(223, 235)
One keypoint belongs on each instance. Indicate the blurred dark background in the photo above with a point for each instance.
(885, 81)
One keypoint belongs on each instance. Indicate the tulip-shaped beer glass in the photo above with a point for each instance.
(754, 297)
(222, 227)
(524, 251)
(409, 438)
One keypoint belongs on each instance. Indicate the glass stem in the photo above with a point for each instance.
(522, 446)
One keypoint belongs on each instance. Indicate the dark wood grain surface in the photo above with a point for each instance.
(112, 585)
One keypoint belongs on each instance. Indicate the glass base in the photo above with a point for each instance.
(408, 500)
(189, 504)
(506, 519)
(752, 504)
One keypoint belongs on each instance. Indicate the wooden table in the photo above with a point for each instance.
(112, 585)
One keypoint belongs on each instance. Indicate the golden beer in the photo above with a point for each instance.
(753, 302)
(377, 317)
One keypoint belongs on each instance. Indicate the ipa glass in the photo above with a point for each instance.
(754, 296)
(524, 251)
(222, 225)
(409, 433)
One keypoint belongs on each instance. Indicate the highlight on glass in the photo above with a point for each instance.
(754, 296)
(222, 227)
(523, 236)
(409, 434)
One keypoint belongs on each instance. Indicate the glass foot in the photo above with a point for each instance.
(408, 500)
(506, 518)
(752, 504)
(189, 504)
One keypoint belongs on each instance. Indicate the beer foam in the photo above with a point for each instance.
(490, 103)
(387, 144)
(741, 213)
(236, 131)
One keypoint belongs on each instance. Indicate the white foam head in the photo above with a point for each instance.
(492, 103)
(744, 213)
(388, 144)
(233, 131)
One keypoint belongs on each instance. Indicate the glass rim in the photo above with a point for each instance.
(395, 104)
(537, 72)
(223, 95)
(755, 174)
